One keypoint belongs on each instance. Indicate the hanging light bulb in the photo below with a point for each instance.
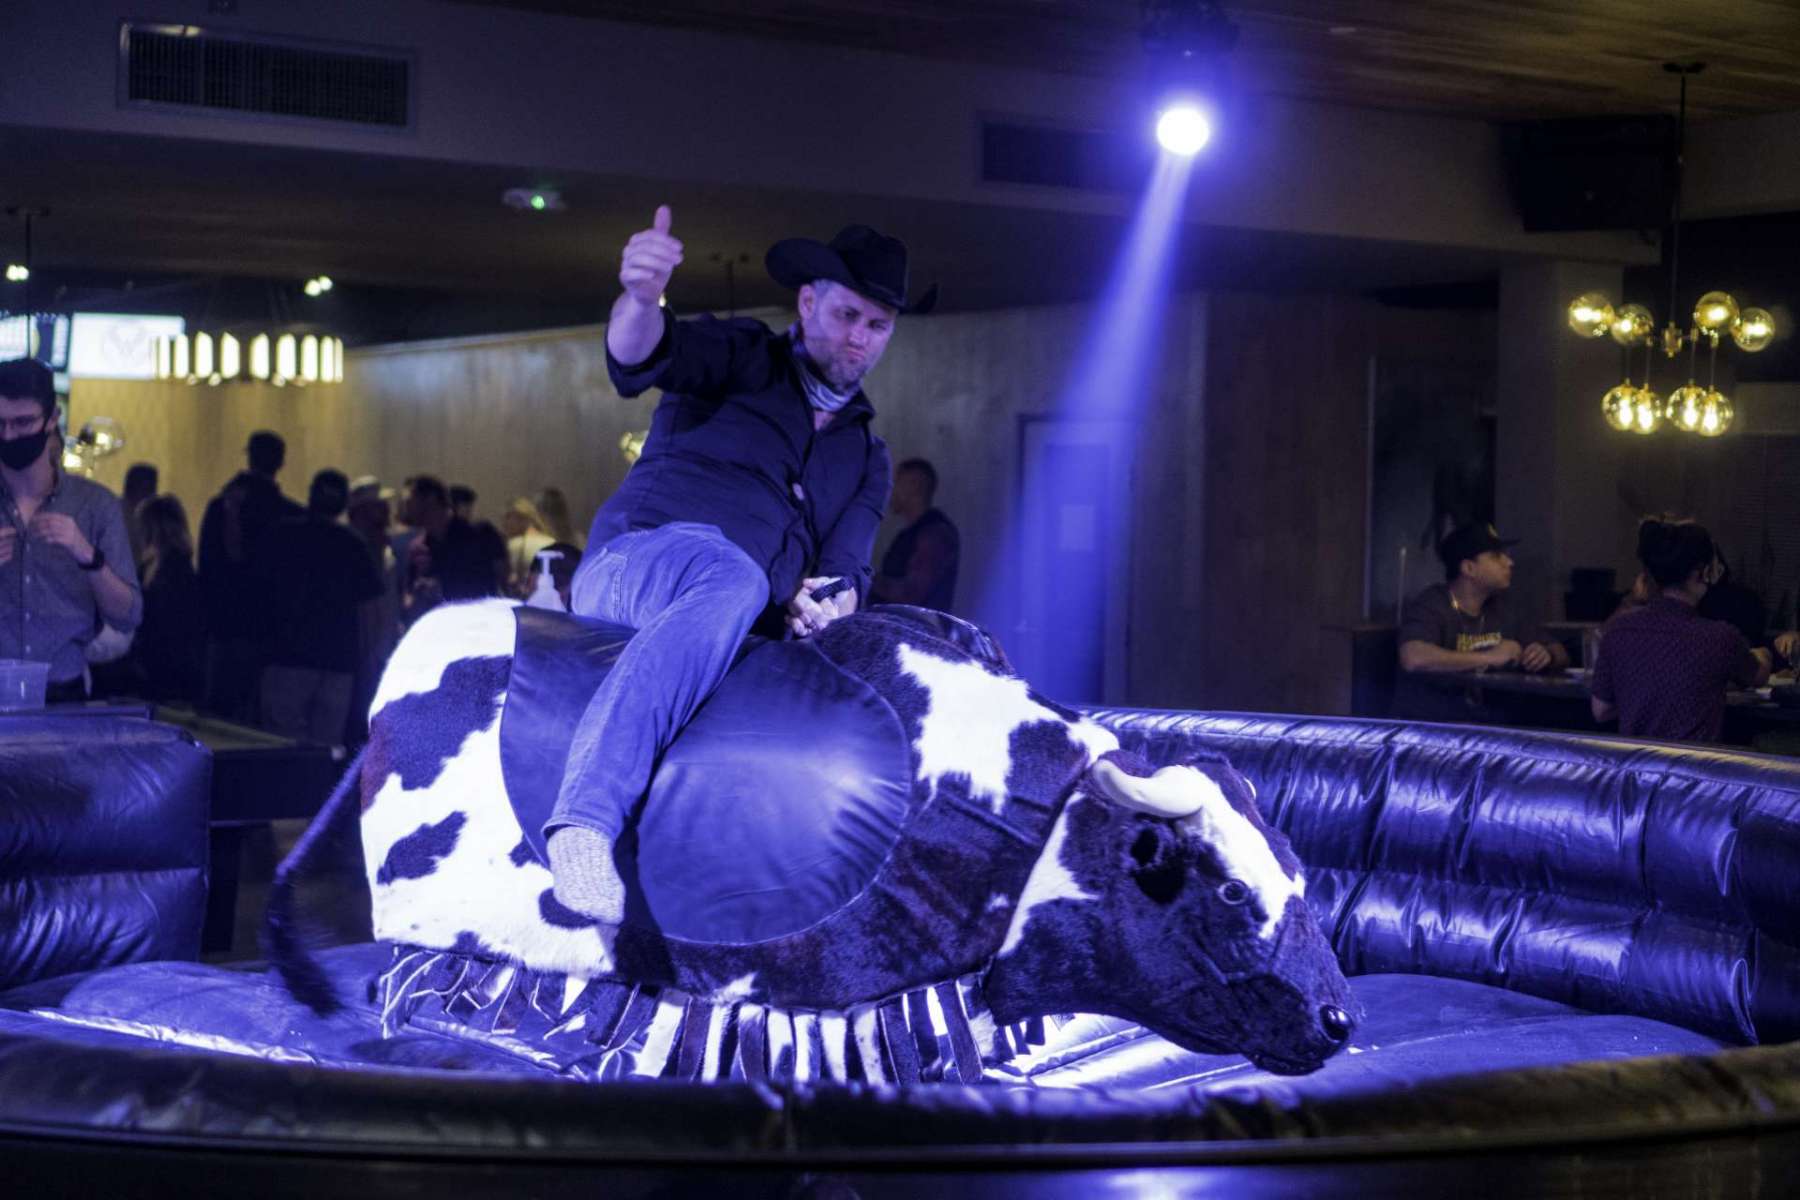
(1715, 311)
(1684, 407)
(1631, 324)
(1715, 416)
(1591, 314)
(1753, 329)
(1619, 406)
(1648, 416)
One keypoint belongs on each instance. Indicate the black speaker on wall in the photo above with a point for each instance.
(1593, 173)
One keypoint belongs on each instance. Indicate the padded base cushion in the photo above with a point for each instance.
(1419, 1028)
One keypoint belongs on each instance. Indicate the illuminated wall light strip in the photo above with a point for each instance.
(309, 359)
(287, 359)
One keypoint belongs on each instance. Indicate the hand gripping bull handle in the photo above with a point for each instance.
(826, 591)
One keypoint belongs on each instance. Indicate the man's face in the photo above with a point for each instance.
(1491, 569)
(21, 416)
(845, 332)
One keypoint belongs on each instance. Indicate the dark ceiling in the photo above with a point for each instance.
(424, 249)
(1500, 59)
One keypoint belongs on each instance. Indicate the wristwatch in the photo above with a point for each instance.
(95, 563)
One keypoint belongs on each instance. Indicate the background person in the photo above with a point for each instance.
(167, 663)
(1461, 626)
(322, 589)
(65, 558)
(235, 520)
(140, 485)
(1663, 668)
(921, 562)
(523, 528)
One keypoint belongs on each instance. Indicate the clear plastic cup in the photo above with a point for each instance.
(22, 684)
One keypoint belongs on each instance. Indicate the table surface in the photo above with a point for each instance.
(1572, 684)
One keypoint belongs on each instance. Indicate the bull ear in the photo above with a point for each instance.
(1156, 865)
(1171, 792)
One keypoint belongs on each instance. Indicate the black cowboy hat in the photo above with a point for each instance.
(858, 257)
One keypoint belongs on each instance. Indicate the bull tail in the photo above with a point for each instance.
(284, 938)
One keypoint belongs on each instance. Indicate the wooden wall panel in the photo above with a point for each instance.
(1286, 473)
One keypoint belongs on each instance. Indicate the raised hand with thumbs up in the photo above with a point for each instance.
(650, 257)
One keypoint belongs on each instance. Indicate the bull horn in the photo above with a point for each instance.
(1164, 794)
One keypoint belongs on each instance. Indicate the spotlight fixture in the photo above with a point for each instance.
(1185, 46)
(1183, 129)
(530, 199)
(17, 272)
(318, 285)
(1637, 408)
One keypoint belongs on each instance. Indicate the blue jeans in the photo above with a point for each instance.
(692, 596)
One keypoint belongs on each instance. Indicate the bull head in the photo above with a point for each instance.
(1163, 898)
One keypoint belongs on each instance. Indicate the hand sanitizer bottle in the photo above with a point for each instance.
(543, 592)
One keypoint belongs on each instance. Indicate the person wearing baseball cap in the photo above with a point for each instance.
(757, 494)
(1461, 626)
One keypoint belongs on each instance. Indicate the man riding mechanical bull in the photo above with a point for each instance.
(642, 841)
(761, 481)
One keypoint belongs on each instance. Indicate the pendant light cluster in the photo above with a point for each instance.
(1638, 408)
(283, 359)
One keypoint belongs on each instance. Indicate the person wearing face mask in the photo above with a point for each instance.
(65, 558)
(1663, 668)
(756, 499)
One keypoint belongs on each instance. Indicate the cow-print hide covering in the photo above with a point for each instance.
(1007, 860)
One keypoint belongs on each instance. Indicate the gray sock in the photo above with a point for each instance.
(587, 881)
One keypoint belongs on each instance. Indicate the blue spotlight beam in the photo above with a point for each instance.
(1110, 376)
(1075, 516)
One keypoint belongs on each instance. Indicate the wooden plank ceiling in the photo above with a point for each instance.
(1478, 58)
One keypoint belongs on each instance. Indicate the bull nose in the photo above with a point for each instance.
(1336, 1023)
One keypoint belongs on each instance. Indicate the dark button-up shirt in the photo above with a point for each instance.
(732, 444)
(48, 612)
(1666, 667)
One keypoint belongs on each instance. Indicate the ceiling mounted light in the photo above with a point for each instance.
(1690, 408)
(533, 199)
(282, 358)
(1185, 46)
(318, 285)
(17, 272)
(1183, 129)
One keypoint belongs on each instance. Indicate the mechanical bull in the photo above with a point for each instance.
(874, 855)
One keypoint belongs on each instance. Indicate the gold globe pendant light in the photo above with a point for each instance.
(1691, 408)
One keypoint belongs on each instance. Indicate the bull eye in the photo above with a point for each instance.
(1233, 891)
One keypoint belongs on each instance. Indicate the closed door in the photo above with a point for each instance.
(1074, 553)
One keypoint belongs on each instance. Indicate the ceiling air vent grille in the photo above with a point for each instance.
(1014, 152)
(185, 67)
